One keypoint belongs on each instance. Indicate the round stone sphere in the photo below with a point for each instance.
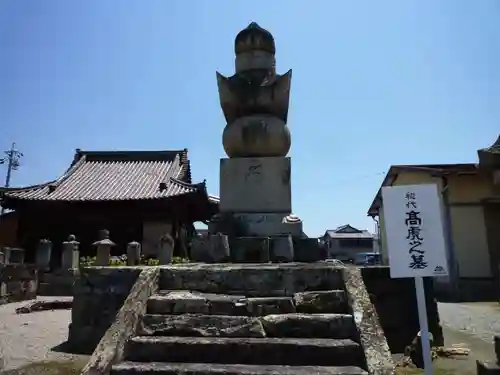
(256, 136)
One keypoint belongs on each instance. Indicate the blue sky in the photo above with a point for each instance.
(374, 83)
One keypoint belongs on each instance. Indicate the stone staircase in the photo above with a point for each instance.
(230, 323)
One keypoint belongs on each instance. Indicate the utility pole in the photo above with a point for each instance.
(13, 163)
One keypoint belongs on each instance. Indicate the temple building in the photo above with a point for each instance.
(135, 195)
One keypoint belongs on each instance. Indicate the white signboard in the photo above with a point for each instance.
(414, 231)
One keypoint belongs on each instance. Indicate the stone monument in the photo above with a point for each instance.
(255, 179)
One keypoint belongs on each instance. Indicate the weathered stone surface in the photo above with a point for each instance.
(267, 224)
(258, 280)
(17, 272)
(331, 301)
(134, 368)
(18, 282)
(265, 306)
(377, 355)
(45, 305)
(219, 248)
(99, 293)
(98, 300)
(210, 249)
(282, 249)
(308, 250)
(133, 253)
(334, 326)
(178, 302)
(43, 254)
(396, 306)
(166, 249)
(487, 368)
(232, 350)
(70, 257)
(258, 185)
(200, 249)
(250, 250)
(58, 283)
(202, 325)
(222, 304)
(496, 340)
(110, 349)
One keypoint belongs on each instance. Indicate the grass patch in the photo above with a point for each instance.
(62, 367)
(437, 370)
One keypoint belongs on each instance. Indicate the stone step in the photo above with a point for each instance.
(192, 302)
(260, 306)
(187, 302)
(332, 326)
(321, 301)
(196, 325)
(232, 350)
(255, 280)
(156, 368)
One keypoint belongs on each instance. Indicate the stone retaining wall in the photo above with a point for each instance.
(18, 282)
(98, 294)
(59, 283)
(396, 304)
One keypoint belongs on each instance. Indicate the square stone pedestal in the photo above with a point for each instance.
(255, 185)
(267, 224)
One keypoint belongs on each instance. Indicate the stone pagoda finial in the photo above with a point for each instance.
(255, 99)
(254, 38)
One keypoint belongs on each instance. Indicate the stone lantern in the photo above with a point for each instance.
(104, 246)
(70, 253)
(43, 254)
(133, 253)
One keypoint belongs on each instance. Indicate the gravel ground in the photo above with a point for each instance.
(480, 319)
(26, 338)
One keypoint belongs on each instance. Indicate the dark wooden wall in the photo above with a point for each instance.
(124, 220)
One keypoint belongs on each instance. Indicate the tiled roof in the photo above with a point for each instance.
(348, 231)
(494, 148)
(116, 175)
(362, 234)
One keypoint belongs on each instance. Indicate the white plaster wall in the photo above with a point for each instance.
(470, 241)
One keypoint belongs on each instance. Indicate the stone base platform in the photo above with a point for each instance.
(267, 287)
(279, 249)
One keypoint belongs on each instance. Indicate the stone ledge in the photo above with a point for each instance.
(137, 368)
(262, 279)
(487, 368)
(111, 347)
(371, 336)
(232, 350)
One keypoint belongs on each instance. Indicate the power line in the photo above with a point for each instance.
(13, 163)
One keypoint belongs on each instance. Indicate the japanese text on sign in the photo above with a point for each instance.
(413, 221)
(414, 237)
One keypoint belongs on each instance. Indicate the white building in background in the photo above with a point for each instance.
(345, 242)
